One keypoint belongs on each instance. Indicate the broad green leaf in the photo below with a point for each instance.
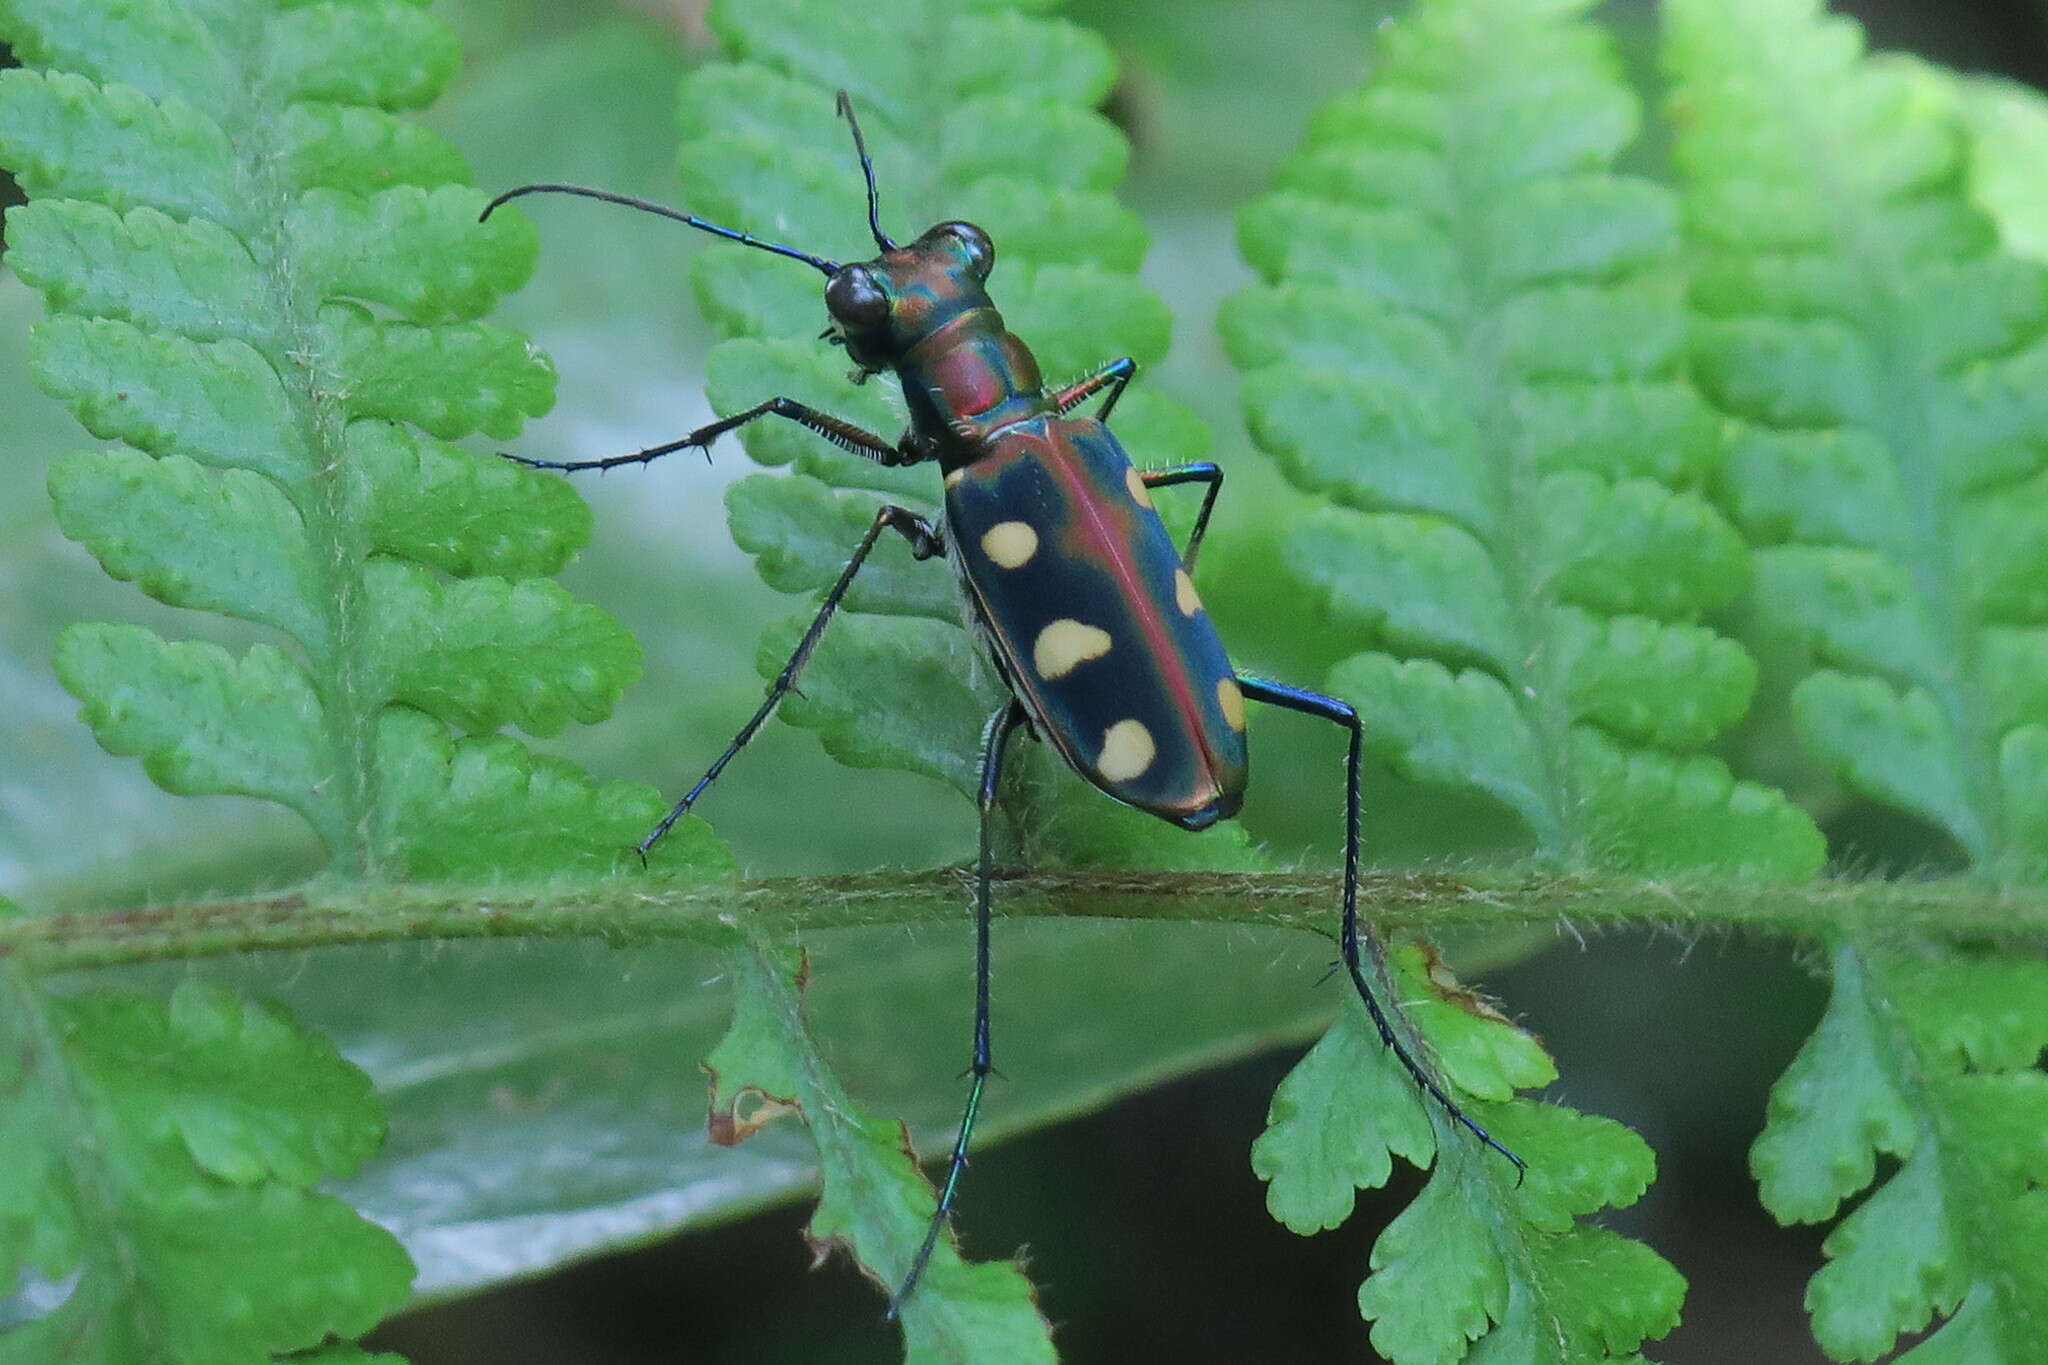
(1437, 726)
(1878, 355)
(875, 1201)
(1647, 807)
(545, 1105)
(218, 403)
(798, 529)
(863, 701)
(1485, 1265)
(1608, 1165)
(1931, 1059)
(255, 284)
(166, 1157)
(1832, 1113)
(2004, 1028)
(745, 370)
(1437, 1283)
(1470, 340)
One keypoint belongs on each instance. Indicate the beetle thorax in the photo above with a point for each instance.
(923, 311)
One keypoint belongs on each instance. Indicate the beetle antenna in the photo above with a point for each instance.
(867, 170)
(702, 225)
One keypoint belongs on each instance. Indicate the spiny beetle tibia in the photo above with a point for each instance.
(1084, 604)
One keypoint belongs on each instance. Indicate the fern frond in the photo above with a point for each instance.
(2008, 126)
(1478, 1267)
(875, 1203)
(261, 282)
(1885, 363)
(1883, 359)
(1470, 343)
(167, 1158)
(1932, 1060)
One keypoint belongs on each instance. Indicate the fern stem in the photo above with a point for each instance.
(640, 911)
(296, 353)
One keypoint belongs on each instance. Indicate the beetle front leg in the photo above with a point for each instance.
(1203, 472)
(1113, 376)
(843, 434)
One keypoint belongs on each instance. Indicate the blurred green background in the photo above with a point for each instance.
(1143, 1224)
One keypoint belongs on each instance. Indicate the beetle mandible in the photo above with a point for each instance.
(1084, 604)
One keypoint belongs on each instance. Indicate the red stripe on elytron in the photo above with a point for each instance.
(1088, 505)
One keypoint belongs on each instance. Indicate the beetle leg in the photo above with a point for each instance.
(843, 434)
(1112, 376)
(995, 738)
(1352, 933)
(1204, 471)
(924, 543)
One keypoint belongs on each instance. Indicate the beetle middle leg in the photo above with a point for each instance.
(839, 432)
(995, 740)
(1351, 933)
(925, 543)
(1203, 472)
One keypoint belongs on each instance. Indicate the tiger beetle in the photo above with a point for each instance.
(1085, 606)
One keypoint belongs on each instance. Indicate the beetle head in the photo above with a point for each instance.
(880, 309)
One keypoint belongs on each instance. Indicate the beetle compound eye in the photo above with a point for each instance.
(855, 299)
(981, 252)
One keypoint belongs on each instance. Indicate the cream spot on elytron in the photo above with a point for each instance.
(1142, 494)
(1065, 645)
(1232, 701)
(1184, 593)
(1127, 750)
(1010, 544)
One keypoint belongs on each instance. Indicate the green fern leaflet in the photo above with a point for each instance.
(1885, 364)
(268, 288)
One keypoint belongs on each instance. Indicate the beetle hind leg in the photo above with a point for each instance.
(1352, 935)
